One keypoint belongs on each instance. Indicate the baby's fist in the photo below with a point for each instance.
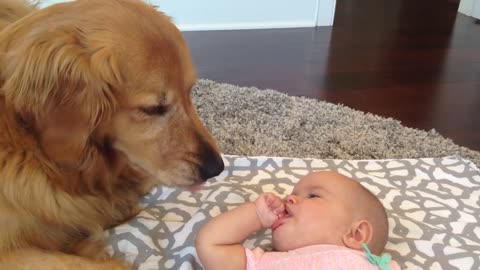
(269, 208)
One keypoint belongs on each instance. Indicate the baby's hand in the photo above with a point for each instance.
(269, 208)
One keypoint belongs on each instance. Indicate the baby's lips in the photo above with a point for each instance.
(277, 222)
(282, 213)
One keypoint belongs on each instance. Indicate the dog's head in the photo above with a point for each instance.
(112, 78)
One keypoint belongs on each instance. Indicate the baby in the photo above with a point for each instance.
(326, 223)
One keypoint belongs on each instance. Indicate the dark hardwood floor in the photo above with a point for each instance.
(405, 61)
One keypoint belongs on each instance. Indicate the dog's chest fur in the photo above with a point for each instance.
(69, 214)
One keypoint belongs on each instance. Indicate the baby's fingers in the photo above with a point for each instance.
(269, 198)
(277, 206)
(276, 202)
(279, 210)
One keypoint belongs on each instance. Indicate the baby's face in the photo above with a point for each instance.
(320, 210)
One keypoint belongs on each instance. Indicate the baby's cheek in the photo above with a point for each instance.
(279, 243)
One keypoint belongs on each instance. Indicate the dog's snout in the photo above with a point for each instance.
(211, 165)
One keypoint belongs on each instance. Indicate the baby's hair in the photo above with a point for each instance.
(377, 216)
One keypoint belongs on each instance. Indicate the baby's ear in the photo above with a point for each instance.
(360, 232)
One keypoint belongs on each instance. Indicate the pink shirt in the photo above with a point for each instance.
(325, 257)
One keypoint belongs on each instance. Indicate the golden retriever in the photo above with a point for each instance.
(95, 108)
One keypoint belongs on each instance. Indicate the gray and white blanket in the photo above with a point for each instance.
(433, 206)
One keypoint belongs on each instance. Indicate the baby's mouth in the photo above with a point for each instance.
(281, 219)
(288, 211)
(277, 224)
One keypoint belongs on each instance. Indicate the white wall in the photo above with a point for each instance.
(466, 7)
(44, 3)
(470, 8)
(325, 12)
(244, 14)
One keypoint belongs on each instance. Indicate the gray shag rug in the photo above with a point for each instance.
(253, 122)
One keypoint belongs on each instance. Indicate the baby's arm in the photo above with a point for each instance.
(219, 242)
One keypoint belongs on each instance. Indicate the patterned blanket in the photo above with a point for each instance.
(433, 206)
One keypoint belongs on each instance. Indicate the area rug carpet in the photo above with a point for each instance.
(252, 122)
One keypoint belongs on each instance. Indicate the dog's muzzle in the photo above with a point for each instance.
(211, 165)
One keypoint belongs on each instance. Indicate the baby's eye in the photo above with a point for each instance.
(311, 196)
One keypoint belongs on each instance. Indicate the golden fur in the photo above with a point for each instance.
(94, 109)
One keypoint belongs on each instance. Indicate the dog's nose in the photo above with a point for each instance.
(211, 166)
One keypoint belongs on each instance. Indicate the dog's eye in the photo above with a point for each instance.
(157, 110)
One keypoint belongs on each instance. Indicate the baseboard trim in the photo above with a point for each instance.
(244, 26)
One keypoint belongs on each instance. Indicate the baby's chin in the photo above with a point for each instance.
(282, 244)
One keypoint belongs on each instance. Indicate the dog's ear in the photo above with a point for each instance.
(64, 84)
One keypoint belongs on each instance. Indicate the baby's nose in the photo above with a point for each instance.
(291, 199)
